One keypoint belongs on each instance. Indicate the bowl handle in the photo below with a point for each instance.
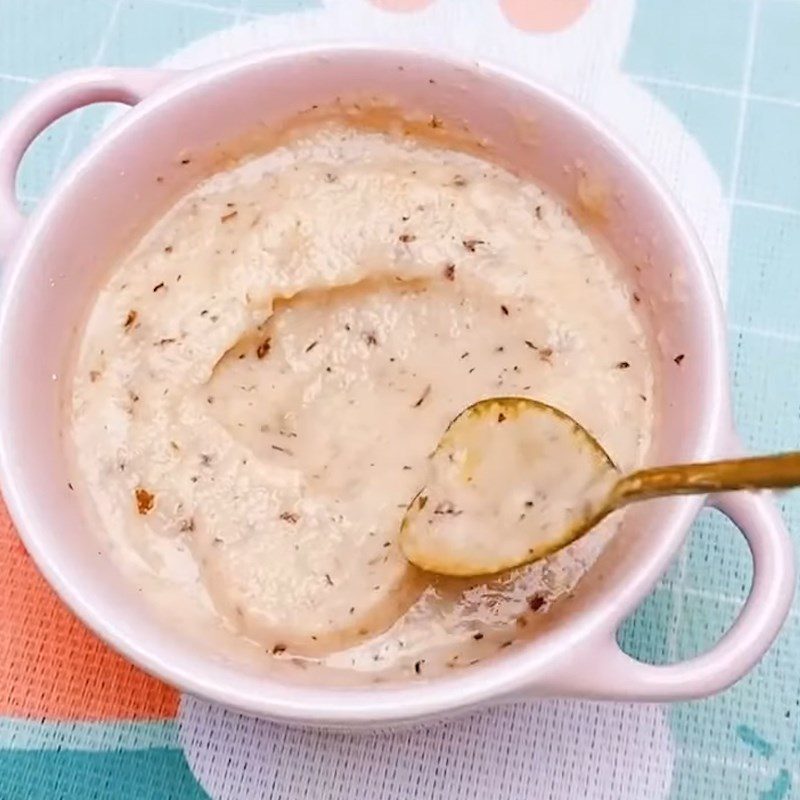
(603, 671)
(49, 101)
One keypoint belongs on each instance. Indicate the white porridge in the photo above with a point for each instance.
(262, 378)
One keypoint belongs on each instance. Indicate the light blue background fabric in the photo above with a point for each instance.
(713, 63)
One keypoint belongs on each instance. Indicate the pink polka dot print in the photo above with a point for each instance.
(542, 16)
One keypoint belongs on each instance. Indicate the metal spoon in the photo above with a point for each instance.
(513, 480)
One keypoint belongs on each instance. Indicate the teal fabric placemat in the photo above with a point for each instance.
(710, 91)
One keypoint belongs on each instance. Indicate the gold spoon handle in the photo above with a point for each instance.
(766, 472)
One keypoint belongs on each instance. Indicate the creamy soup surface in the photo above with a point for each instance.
(263, 377)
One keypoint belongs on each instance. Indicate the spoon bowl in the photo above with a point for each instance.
(513, 480)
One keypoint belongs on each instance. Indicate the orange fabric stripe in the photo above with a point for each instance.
(51, 665)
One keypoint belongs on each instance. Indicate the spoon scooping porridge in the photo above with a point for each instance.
(513, 480)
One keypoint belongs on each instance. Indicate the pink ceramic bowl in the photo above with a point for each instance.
(55, 260)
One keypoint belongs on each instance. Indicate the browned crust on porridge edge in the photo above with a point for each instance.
(374, 114)
(370, 114)
(589, 205)
(186, 169)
